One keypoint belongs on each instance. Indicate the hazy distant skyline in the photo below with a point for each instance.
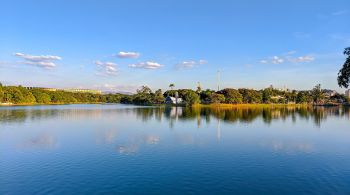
(121, 45)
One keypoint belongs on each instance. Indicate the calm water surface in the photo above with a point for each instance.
(118, 149)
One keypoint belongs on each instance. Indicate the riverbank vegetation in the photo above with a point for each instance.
(145, 96)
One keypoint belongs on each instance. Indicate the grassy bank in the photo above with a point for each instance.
(47, 104)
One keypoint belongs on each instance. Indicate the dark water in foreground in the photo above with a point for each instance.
(92, 149)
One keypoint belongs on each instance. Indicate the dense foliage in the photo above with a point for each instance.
(21, 95)
(344, 73)
(145, 96)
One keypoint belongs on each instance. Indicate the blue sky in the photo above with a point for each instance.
(120, 45)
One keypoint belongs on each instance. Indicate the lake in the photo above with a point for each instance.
(124, 149)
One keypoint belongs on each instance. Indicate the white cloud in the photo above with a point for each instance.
(128, 54)
(38, 58)
(190, 64)
(106, 68)
(43, 61)
(287, 58)
(146, 65)
(277, 60)
(304, 59)
(186, 64)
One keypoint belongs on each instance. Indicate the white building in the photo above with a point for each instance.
(173, 100)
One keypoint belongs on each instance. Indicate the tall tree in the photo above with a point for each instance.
(144, 89)
(158, 97)
(317, 94)
(344, 73)
(144, 96)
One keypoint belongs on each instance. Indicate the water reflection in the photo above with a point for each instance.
(243, 115)
(106, 136)
(129, 149)
(92, 145)
(174, 114)
(42, 141)
(132, 144)
(288, 146)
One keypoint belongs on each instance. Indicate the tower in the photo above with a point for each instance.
(218, 79)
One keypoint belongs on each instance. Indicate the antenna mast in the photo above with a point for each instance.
(218, 79)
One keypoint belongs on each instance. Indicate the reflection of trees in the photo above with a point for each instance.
(173, 114)
(246, 115)
(21, 115)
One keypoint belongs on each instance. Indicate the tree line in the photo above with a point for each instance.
(145, 96)
(22, 95)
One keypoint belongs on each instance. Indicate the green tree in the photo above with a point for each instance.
(251, 96)
(217, 98)
(1, 93)
(144, 96)
(232, 96)
(144, 90)
(303, 97)
(127, 99)
(169, 93)
(293, 96)
(317, 94)
(190, 97)
(158, 97)
(62, 97)
(13, 95)
(113, 98)
(41, 97)
(27, 95)
(205, 96)
(266, 95)
(344, 72)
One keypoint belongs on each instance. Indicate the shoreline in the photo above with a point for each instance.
(194, 106)
(50, 104)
